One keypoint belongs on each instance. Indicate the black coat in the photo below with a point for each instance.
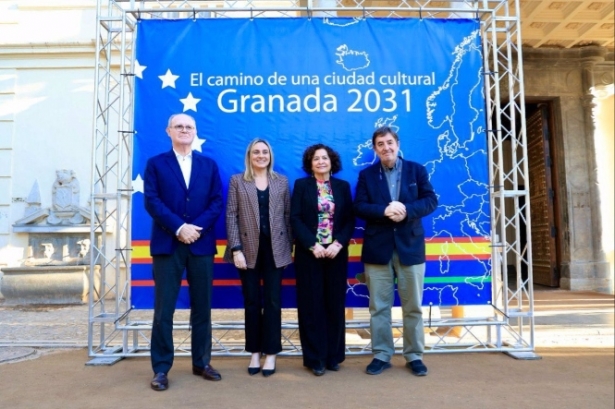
(304, 212)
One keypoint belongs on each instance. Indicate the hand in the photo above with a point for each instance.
(240, 260)
(395, 211)
(333, 249)
(397, 218)
(189, 233)
(398, 207)
(318, 251)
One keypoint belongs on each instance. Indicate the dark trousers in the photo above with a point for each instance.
(321, 299)
(263, 311)
(168, 272)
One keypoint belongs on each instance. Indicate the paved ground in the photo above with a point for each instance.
(564, 378)
(563, 318)
(43, 352)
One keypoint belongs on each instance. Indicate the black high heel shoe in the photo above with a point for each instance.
(268, 372)
(254, 371)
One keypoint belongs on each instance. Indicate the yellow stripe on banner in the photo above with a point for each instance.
(456, 249)
(354, 250)
(449, 248)
(143, 251)
(140, 252)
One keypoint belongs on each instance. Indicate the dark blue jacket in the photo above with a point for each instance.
(170, 203)
(382, 235)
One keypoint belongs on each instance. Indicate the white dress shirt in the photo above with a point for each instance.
(185, 164)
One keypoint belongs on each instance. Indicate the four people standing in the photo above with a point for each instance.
(392, 196)
(323, 224)
(259, 245)
(183, 195)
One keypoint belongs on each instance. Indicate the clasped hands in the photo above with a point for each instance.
(189, 233)
(330, 252)
(395, 211)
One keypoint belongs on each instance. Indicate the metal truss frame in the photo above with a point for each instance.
(115, 331)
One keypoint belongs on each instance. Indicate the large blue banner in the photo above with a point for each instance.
(299, 81)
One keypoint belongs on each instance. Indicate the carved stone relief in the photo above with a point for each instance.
(57, 249)
(58, 235)
(65, 209)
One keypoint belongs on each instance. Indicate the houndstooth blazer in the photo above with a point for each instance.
(243, 221)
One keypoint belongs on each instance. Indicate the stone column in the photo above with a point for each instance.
(589, 271)
(602, 116)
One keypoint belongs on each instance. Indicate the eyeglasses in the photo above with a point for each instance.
(184, 127)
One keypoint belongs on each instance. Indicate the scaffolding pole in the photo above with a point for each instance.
(115, 331)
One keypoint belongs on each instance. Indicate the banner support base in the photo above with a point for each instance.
(523, 355)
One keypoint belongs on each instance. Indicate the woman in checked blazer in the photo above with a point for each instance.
(259, 245)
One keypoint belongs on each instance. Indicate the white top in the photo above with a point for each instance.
(185, 164)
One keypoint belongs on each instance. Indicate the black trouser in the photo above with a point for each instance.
(263, 311)
(321, 299)
(168, 272)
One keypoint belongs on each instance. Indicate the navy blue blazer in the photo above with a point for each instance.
(170, 203)
(304, 212)
(382, 235)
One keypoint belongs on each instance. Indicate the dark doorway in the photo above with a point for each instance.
(543, 204)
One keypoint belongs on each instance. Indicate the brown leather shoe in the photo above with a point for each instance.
(160, 382)
(208, 373)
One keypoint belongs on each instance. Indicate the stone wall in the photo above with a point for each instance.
(46, 105)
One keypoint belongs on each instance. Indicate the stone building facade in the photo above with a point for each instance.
(46, 105)
(578, 85)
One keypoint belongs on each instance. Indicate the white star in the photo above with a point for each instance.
(168, 79)
(189, 102)
(139, 69)
(137, 185)
(196, 144)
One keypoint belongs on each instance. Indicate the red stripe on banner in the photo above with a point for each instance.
(441, 240)
(357, 259)
(360, 241)
(459, 257)
(217, 282)
(148, 260)
(223, 242)
(146, 242)
(147, 283)
(457, 240)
